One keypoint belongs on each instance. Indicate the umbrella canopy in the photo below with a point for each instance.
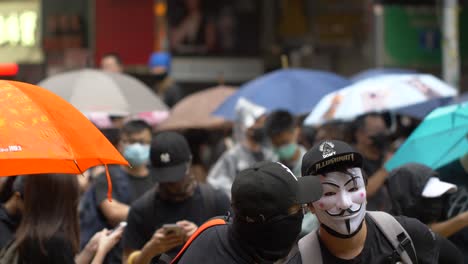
(421, 110)
(42, 133)
(382, 93)
(371, 73)
(295, 90)
(438, 140)
(98, 91)
(194, 111)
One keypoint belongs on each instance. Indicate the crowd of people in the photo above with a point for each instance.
(280, 193)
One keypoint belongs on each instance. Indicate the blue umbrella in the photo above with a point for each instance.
(377, 72)
(295, 90)
(438, 140)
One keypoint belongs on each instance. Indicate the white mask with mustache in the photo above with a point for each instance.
(343, 205)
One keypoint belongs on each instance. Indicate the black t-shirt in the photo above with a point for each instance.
(377, 248)
(216, 245)
(58, 250)
(8, 227)
(137, 186)
(149, 213)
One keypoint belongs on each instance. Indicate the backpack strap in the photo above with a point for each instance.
(396, 235)
(309, 247)
(208, 196)
(205, 226)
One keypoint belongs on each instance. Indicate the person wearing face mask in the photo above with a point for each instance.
(267, 205)
(281, 129)
(129, 183)
(370, 138)
(348, 233)
(250, 137)
(178, 200)
(283, 133)
(165, 87)
(416, 191)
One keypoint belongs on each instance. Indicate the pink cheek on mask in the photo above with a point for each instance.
(362, 195)
(321, 205)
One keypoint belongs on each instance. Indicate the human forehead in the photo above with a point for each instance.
(283, 137)
(144, 135)
(341, 178)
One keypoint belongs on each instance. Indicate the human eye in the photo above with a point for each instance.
(329, 193)
(354, 189)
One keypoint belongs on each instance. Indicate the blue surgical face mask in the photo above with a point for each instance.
(287, 151)
(137, 154)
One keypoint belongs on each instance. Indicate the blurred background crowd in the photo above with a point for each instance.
(241, 82)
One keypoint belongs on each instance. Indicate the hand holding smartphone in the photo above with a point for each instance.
(121, 225)
(172, 229)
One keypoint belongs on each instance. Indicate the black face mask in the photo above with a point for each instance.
(270, 240)
(257, 135)
(380, 141)
(428, 210)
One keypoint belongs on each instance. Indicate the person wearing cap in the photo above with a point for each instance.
(178, 200)
(283, 132)
(348, 233)
(249, 134)
(267, 205)
(416, 191)
(159, 65)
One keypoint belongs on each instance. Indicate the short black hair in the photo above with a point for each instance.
(135, 126)
(360, 123)
(114, 55)
(279, 121)
(112, 134)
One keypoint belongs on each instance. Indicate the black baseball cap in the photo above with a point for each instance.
(270, 188)
(327, 155)
(170, 156)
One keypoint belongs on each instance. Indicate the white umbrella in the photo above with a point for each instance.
(378, 94)
(92, 91)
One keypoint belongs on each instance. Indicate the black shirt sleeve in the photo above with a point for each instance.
(100, 185)
(448, 253)
(133, 235)
(424, 240)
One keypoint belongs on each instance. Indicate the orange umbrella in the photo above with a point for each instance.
(42, 133)
(195, 110)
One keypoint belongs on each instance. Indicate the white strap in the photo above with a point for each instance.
(391, 228)
(309, 246)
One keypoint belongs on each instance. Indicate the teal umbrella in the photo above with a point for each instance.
(438, 140)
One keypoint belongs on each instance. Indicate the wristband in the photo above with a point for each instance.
(133, 256)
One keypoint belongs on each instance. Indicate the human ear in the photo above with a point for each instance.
(311, 208)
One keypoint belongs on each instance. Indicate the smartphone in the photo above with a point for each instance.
(121, 225)
(170, 229)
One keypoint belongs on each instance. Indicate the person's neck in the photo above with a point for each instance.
(344, 248)
(368, 152)
(252, 145)
(137, 171)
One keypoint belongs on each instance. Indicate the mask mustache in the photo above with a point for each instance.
(351, 212)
